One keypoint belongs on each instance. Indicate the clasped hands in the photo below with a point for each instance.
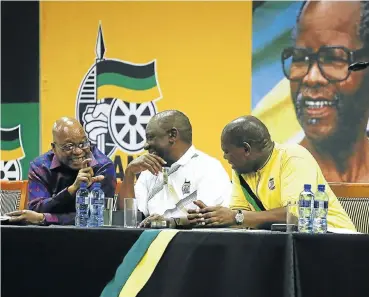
(210, 216)
(202, 217)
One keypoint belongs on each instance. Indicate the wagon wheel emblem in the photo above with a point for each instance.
(10, 170)
(128, 122)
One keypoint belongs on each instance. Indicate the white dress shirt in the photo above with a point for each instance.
(195, 176)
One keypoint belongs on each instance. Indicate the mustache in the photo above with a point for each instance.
(316, 92)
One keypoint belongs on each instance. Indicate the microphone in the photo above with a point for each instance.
(358, 66)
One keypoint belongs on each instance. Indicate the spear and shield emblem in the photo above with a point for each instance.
(116, 100)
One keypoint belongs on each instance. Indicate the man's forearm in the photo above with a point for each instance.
(55, 204)
(127, 189)
(253, 219)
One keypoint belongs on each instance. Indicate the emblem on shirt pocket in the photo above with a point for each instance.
(271, 184)
(186, 188)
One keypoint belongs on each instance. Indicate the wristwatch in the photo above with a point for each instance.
(239, 217)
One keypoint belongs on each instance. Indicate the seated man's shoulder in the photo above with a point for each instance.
(44, 160)
(294, 150)
(100, 157)
(297, 155)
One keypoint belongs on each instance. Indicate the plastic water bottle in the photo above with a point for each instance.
(97, 198)
(306, 200)
(320, 210)
(82, 206)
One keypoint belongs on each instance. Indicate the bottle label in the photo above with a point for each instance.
(321, 204)
(304, 203)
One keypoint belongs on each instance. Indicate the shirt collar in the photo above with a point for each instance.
(56, 163)
(270, 158)
(187, 156)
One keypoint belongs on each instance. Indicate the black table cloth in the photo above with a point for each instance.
(67, 261)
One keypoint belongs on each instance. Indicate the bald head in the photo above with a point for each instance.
(175, 119)
(67, 127)
(247, 129)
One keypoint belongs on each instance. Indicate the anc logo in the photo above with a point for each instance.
(271, 184)
(116, 100)
(11, 153)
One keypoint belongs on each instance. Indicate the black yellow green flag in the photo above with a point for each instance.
(11, 144)
(127, 81)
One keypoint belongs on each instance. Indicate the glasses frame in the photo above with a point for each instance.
(74, 146)
(313, 58)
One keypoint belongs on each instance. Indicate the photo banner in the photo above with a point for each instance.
(301, 86)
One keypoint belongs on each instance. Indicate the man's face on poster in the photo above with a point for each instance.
(327, 98)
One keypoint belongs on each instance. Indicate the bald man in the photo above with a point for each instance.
(55, 176)
(191, 175)
(266, 175)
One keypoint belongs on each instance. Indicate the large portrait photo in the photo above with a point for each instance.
(302, 87)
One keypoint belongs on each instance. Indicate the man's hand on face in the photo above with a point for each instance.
(211, 216)
(146, 223)
(28, 216)
(150, 162)
(86, 174)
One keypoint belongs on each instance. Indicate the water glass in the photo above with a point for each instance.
(108, 211)
(292, 216)
(130, 213)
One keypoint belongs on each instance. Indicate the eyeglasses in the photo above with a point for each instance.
(333, 62)
(72, 146)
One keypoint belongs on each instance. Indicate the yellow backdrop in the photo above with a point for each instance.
(202, 52)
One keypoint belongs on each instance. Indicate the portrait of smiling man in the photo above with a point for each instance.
(331, 103)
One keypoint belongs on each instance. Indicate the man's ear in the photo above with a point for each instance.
(247, 148)
(53, 147)
(173, 133)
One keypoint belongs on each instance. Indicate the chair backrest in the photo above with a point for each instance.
(13, 195)
(354, 198)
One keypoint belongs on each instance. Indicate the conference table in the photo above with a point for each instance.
(67, 261)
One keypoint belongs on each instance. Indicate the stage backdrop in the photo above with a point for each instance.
(115, 64)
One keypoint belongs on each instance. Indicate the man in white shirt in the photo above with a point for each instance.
(189, 174)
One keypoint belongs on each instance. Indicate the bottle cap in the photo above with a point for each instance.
(97, 185)
(321, 188)
(307, 187)
(83, 185)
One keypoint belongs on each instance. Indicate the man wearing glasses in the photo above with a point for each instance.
(55, 176)
(331, 103)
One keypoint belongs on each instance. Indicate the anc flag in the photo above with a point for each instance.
(11, 144)
(126, 81)
(139, 263)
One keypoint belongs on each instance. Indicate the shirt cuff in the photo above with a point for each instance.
(50, 219)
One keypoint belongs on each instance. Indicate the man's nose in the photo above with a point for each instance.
(146, 146)
(314, 77)
(77, 151)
